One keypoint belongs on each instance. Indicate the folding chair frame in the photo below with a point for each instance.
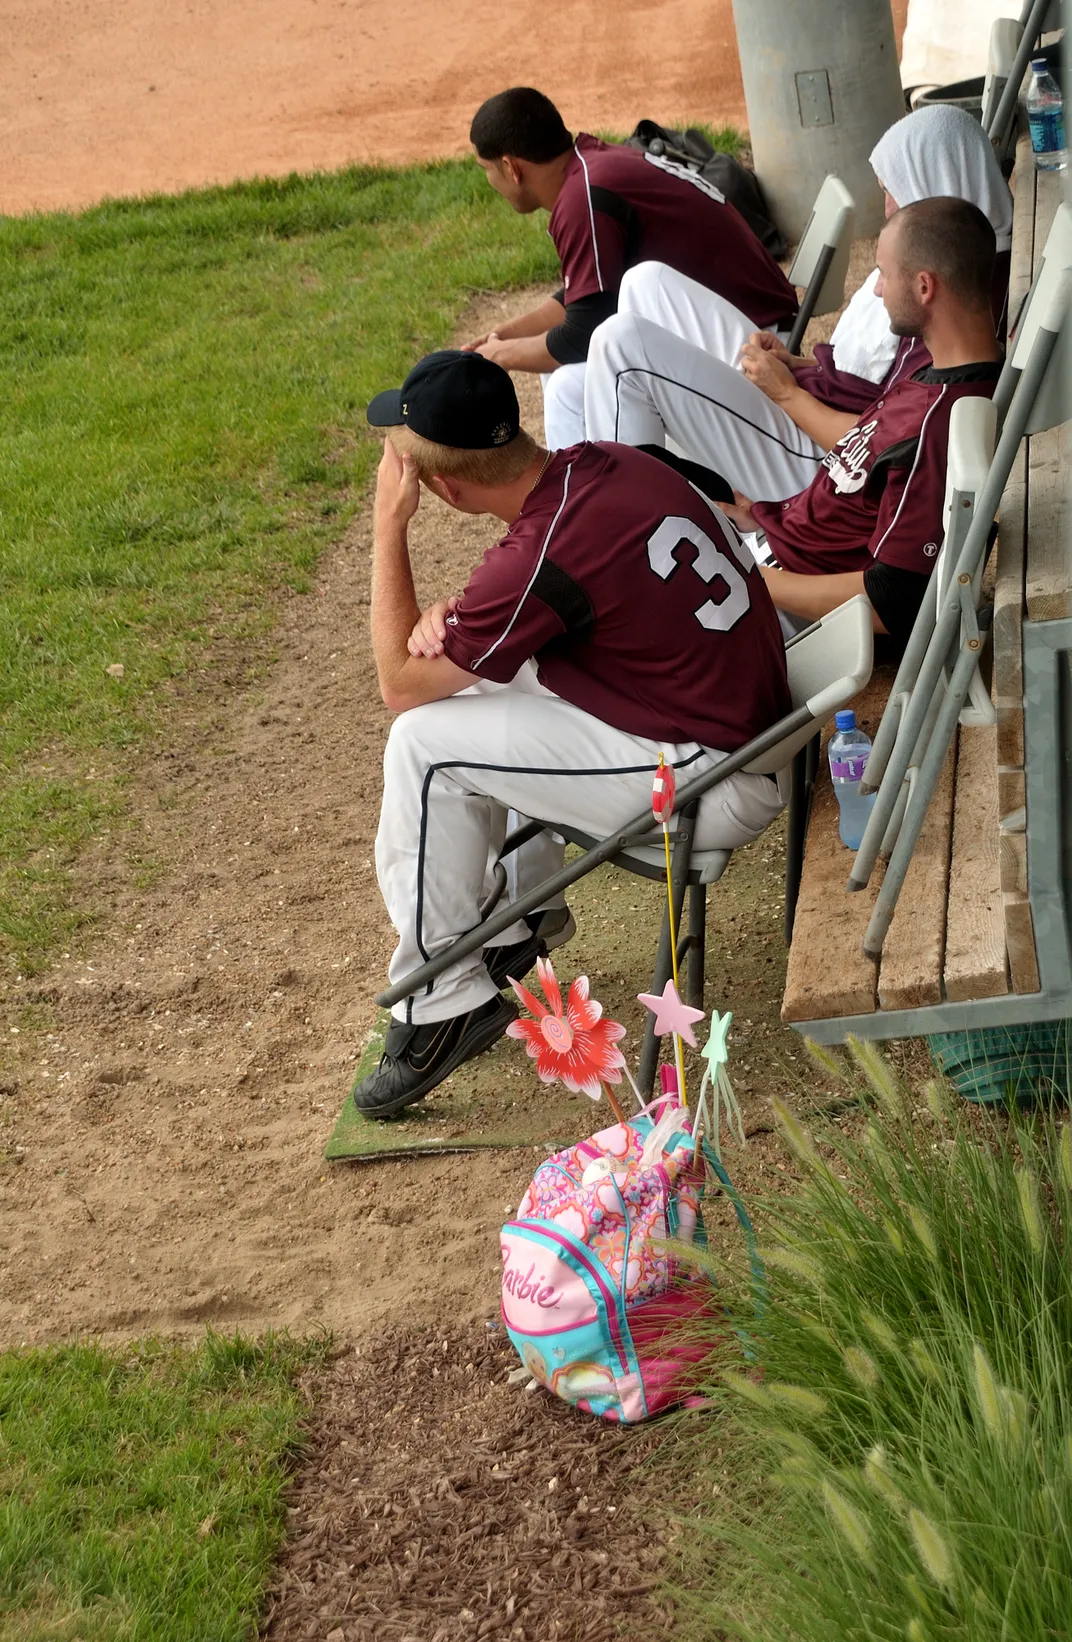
(920, 719)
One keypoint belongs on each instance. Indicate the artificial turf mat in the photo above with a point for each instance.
(493, 1102)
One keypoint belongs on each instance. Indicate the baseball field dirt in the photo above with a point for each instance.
(115, 97)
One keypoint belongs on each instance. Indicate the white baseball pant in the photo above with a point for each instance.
(655, 291)
(645, 386)
(563, 406)
(453, 769)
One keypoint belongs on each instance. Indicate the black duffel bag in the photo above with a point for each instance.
(739, 186)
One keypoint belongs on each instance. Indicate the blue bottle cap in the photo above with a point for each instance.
(1041, 65)
(846, 719)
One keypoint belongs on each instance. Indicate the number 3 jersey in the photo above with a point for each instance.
(637, 599)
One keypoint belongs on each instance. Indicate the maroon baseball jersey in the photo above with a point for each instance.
(637, 599)
(879, 493)
(619, 207)
(844, 391)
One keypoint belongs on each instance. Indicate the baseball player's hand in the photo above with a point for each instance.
(769, 374)
(774, 345)
(430, 631)
(476, 345)
(494, 347)
(740, 511)
(398, 490)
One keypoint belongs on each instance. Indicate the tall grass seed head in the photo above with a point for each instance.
(861, 1367)
(879, 1330)
(743, 1386)
(915, 1631)
(924, 1362)
(797, 1138)
(893, 1234)
(1015, 1414)
(792, 1261)
(923, 1230)
(826, 1060)
(880, 1075)
(1064, 1156)
(937, 1101)
(1030, 1212)
(849, 1522)
(986, 1392)
(798, 1398)
(880, 1481)
(934, 1553)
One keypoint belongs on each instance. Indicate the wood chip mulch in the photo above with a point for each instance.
(438, 1502)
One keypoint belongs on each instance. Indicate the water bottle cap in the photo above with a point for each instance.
(846, 719)
(1040, 65)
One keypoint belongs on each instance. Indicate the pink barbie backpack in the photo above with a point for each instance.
(594, 1300)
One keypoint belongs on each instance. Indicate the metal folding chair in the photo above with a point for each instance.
(822, 258)
(828, 665)
(941, 660)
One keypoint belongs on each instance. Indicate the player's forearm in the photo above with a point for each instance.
(537, 322)
(811, 597)
(527, 353)
(395, 610)
(820, 422)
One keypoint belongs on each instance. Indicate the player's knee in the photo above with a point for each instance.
(639, 285)
(616, 342)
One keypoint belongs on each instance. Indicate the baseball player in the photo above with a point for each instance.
(681, 359)
(871, 519)
(620, 616)
(611, 207)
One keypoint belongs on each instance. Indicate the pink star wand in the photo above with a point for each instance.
(663, 795)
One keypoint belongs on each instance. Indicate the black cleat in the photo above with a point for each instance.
(417, 1058)
(550, 929)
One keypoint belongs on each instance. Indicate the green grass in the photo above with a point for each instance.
(181, 433)
(141, 1496)
(901, 1467)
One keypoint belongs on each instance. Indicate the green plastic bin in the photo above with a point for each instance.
(1007, 1063)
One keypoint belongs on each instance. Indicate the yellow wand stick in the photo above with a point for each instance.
(678, 1052)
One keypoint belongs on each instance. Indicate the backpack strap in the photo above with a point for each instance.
(759, 1275)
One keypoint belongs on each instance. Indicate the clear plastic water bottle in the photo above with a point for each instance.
(1046, 118)
(848, 751)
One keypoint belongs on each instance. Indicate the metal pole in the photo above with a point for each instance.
(919, 800)
(821, 84)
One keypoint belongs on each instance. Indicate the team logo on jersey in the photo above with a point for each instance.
(850, 459)
(683, 172)
(930, 549)
(501, 434)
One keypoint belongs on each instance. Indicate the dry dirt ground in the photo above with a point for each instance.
(168, 1095)
(103, 97)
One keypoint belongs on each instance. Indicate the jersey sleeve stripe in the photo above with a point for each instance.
(539, 564)
(591, 215)
(904, 494)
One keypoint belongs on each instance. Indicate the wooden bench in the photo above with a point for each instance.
(963, 930)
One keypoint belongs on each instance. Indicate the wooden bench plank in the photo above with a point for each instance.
(1012, 797)
(975, 928)
(911, 971)
(827, 973)
(1020, 942)
(1048, 553)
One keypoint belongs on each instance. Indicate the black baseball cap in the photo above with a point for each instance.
(453, 398)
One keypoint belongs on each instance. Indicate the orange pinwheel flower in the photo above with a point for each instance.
(575, 1046)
